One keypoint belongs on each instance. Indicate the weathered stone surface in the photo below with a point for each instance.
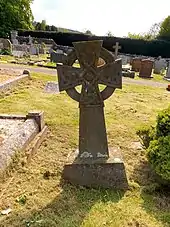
(136, 64)
(27, 72)
(14, 36)
(58, 57)
(52, 87)
(130, 74)
(8, 85)
(167, 77)
(90, 167)
(146, 68)
(116, 48)
(18, 139)
(96, 173)
(5, 44)
(18, 133)
(159, 65)
(38, 116)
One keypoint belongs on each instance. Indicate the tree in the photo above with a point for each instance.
(165, 29)
(109, 33)
(154, 30)
(151, 34)
(88, 32)
(138, 36)
(38, 26)
(48, 28)
(43, 25)
(15, 15)
(54, 28)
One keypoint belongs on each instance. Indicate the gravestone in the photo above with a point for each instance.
(117, 48)
(136, 64)
(19, 50)
(146, 68)
(52, 87)
(18, 53)
(159, 65)
(125, 59)
(93, 164)
(14, 35)
(33, 49)
(58, 57)
(5, 44)
(41, 49)
(167, 77)
(30, 42)
(58, 51)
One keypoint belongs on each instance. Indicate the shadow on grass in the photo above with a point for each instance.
(143, 173)
(70, 208)
(157, 204)
(156, 196)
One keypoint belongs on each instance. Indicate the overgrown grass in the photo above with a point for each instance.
(50, 204)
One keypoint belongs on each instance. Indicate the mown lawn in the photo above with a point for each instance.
(37, 200)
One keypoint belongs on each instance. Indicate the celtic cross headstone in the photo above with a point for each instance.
(93, 165)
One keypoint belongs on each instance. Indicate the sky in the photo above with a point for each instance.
(117, 16)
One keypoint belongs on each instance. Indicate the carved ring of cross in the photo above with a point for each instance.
(108, 58)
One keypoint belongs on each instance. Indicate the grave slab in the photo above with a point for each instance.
(52, 87)
(16, 133)
(10, 78)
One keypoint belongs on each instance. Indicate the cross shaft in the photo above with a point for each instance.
(92, 130)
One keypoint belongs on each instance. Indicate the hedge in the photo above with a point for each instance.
(153, 48)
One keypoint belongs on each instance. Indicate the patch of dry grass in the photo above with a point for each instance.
(48, 203)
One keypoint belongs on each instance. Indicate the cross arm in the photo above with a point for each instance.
(111, 74)
(69, 77)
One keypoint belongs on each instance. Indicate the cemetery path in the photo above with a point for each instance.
(31, 68)
(53, 72)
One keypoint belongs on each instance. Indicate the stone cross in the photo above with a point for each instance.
(30, 40)
(117, 48)
(93, 145)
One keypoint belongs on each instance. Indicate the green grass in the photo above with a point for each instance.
(6, 58)
(31, 58)
(48, 203)
(51, 64)
(156, 78)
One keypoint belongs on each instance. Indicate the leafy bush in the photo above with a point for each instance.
(163, 123)
(5, 52)
(158, 155)
(146, 134)
(157, 141)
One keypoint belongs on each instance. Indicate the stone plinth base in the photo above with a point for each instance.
(167, 78)
(99, 173)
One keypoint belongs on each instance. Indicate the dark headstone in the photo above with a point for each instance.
(146, 68)
(94, 165)
(136, 64)
(57, 57)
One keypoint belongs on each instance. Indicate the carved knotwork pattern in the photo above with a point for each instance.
(88, 75)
